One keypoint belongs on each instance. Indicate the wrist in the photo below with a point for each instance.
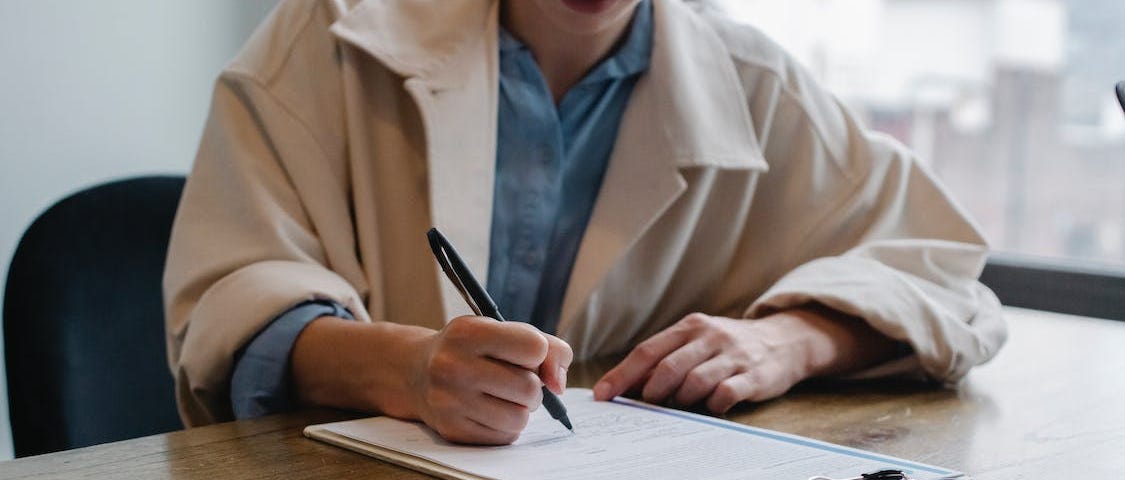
(359, 366)
(832, 343)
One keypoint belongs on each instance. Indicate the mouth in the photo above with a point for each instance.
(589, 6)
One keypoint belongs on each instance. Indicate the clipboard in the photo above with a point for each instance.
(620, 439)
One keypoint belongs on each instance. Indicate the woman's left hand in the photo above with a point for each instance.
(725, 361)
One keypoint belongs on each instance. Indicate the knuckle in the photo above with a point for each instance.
(460, 328)
(539, 346)
(725, 390)
(749, 356)
(533, 343)
(695, 380)
(443, 369)
(697, 320)
(645, 351)
(724, 337)
(667, 368)
(564, 353)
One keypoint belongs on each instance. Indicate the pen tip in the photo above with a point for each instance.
(566, 423)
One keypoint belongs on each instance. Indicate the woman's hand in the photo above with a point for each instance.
(724, 361)
(474, 381)
(479, 379)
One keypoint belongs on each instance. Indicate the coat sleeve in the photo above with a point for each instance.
(244, 245)
(873, 234)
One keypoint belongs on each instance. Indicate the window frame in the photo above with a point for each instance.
(1062, 286)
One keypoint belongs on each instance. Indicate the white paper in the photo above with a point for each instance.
(624, 439)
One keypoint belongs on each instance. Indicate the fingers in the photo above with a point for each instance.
(482, 378)
(506, 382)
(513, 342)
(517, 343)
(702, 358)
(554, 367)
(756, 385)
(670, 373)
(493, 366)
(701, 381)
(496, 414)
(455, 418)
(639, 362)
(468, 431)
(731, 391)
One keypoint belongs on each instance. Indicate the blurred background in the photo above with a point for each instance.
(93, 91)
(1008, 101)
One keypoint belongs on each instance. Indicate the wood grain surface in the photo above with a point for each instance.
(1050, 406)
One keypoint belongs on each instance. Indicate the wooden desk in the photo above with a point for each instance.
(1050, 406)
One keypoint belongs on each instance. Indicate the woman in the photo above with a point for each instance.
(634, 177)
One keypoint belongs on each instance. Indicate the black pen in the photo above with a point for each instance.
(481, 303)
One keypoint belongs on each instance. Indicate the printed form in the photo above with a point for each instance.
(622, 439)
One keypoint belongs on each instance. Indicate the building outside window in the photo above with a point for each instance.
(1009, 102)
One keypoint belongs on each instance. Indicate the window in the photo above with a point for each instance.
(1010, 102)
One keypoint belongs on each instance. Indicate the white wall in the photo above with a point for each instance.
(95, 90)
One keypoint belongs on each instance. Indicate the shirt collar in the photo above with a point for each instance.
(695, 72)
(631, 56)
(508, 43)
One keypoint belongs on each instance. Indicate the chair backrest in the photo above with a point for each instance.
(83, 319)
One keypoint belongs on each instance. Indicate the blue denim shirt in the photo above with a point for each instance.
(550, 162)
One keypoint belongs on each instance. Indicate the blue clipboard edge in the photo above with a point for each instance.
(906, 465)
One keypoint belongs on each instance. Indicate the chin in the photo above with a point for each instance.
(586, 16)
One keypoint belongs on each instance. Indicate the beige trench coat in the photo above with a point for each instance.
(736, 187)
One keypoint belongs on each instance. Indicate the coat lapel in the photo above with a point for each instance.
(438, 47)
(687, 111)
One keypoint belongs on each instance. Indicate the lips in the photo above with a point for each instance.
(588, 6)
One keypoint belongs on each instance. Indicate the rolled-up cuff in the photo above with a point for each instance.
(228, 317)
(950, 330)
(260, 382)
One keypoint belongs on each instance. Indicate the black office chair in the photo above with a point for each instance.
(83, 319)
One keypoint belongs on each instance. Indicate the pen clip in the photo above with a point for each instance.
(455, 268)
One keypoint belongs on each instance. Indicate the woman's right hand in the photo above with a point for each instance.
(479, 379)
(474, 381)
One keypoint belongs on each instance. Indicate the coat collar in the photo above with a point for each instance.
(689, 110)
(417, 38)
(704, 119)
(448, 55)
